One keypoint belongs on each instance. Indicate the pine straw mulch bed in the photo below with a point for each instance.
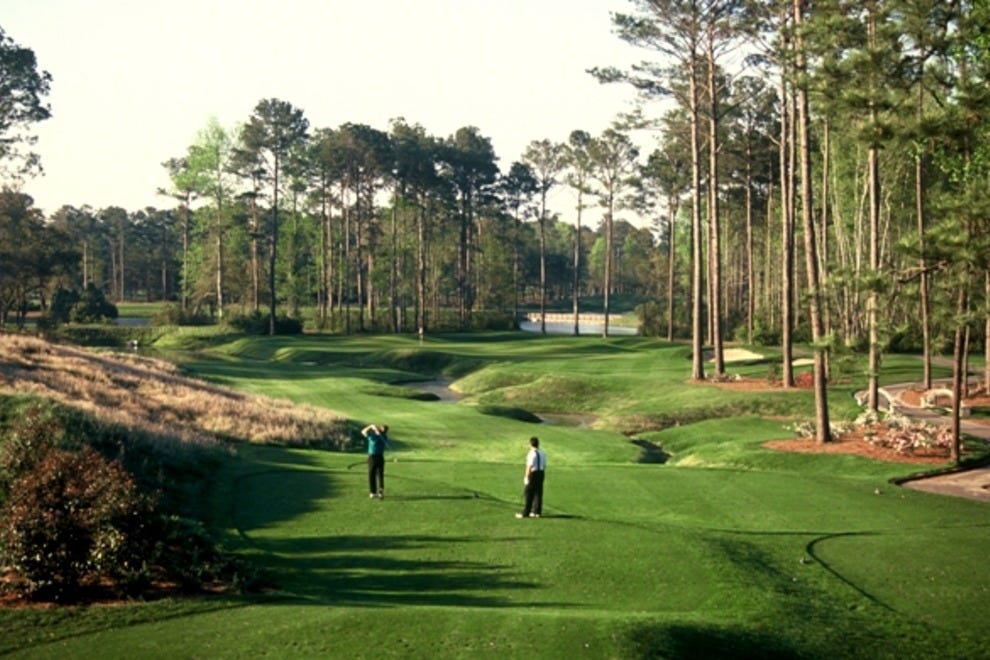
(855, 443)
(103, 594)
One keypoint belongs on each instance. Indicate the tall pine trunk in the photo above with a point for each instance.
(919, 201)
(421, 272)
(576, 294)
(672, 206)
(786, 239)
(697, 295)
(273, 250)
(714, 230)
(872, 301)
(822, 432)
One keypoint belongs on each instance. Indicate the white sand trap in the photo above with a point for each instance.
(739, 355)
(742, 355)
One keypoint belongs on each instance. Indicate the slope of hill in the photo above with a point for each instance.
(153, 396)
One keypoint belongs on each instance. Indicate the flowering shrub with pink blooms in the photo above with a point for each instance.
(804, 379)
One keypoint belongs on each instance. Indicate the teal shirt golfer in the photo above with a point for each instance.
(377, 436)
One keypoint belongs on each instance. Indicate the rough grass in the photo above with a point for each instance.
(153, 397)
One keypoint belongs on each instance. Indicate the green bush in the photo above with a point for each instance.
(257, 323)
(765, 335)
(69, 518)
(185, 554)
(92, 307)
(61, 305)
(491, 321)
(175, 315)
(88, 306)
(109, 336)
(651, 320)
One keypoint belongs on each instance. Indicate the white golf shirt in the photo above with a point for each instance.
(536, 459)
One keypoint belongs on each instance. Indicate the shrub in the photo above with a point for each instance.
(257, 323)
(89, 306)
(28, 436)
(184, 553)
(93, 307)
(104, 335)
(488, 321)
(651, 319)
(71, 517)
(175, 315)
(62, 302)
(807, 429)
(765, 334)
(72, 520)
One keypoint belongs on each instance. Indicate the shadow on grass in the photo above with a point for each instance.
(266, 485)
(685, 641)
(273, 485)
(651, 452)
(355, 570)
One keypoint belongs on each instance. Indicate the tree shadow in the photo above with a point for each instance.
(701, 641)
(259, 474)
(355, 570)
(273, 485)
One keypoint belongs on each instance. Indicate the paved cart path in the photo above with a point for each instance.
(972, 483)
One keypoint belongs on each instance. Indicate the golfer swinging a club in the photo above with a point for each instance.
(536, 466)
(377, 437)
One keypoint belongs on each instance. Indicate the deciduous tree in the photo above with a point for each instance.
(22, 90)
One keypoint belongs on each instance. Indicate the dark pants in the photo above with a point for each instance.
(534, 494)
(376, 474)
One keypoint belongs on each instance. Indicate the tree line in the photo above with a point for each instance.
(820, 178)
(388, 231)
(850, 136)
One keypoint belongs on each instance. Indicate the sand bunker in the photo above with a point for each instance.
(739, 355)
(743, 355)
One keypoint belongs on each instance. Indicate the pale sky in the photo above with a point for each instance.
(135, 80)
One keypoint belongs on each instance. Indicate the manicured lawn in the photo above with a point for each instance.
(726, 550)
(139, 310)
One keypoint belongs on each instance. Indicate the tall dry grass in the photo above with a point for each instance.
(152, 396)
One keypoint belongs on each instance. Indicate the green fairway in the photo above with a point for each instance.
(720, 548)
